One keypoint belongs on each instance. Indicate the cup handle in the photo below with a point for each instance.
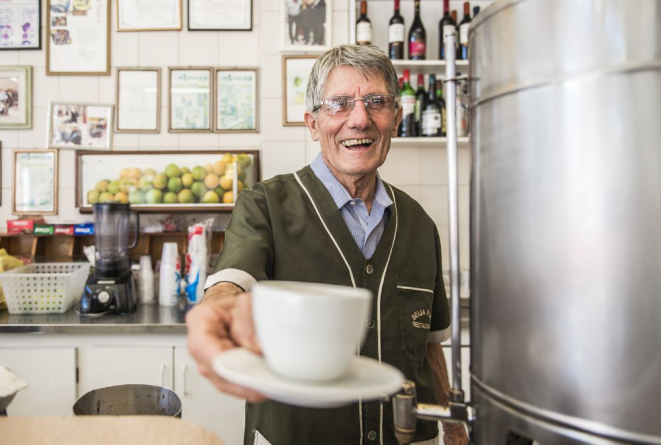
(137, 229)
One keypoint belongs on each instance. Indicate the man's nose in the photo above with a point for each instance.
(359, 117)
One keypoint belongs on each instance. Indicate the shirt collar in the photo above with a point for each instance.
(339, 194)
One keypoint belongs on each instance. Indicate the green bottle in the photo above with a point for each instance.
(407, 99)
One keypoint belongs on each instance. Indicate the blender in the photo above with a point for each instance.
(111, 288)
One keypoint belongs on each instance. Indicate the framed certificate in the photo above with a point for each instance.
(20, 24)
(237, 108)
(138, 100)
(219, 15)
(80, 126)
(148, 15)
(295, 74)
(305, 25)
(35, 182)
(15, 97)
(190, 99)
(78, 37)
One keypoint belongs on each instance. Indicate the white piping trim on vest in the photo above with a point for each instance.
(419, 289)
(353, 282)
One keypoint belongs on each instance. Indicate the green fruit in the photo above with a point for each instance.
(149, 172)
(113, 187)
(126, 185)
(198, 189)
(241, 175)
(106, 197)
(220, 191)
(170, 198)
(186, 197)
(210, 197)
(160, 181)
(199, 173)
(174, 185)
(137, 197)
(154, 196)
(145, 183)
(101, 186)
(185, 170)
(173, 171)
(93, 196)
(243, 160)
(187, 180)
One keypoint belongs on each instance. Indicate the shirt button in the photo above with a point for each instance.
(371, 435)
(370, 324)
(352, 203)
(369, 269)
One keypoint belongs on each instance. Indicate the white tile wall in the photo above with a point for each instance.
(419, 171)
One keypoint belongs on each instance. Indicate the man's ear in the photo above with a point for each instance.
(398, 121)
(313, 126)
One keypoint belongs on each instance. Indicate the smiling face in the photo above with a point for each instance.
(354, 145)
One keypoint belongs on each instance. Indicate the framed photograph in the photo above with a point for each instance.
(138, 100)
(20, 24)
(165, 181)
(80, 126)
(295, 74)
(219, 15)
(15, 97)
(78, 37)
(149, 15)
(35, 182)
(237, 101)
(190, 100)
(305, 25)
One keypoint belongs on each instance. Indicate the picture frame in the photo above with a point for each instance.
(80, 126)
(305, 25)
(78, 37)
(35, 182)
(295, 74)
(236, 100)
(165, 181)
(15, 97)
(220, 15)
(20, 25)
(149, 15)
(190, 105)
(138, 100)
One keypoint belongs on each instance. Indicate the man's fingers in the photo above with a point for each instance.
(242, 327)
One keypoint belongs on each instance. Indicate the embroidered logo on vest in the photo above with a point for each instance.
(421, 313)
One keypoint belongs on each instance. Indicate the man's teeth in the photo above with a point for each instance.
(352, 142)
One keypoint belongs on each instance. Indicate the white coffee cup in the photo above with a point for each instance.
(309, 331)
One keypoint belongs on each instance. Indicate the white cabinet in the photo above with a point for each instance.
(51, 376)
(205, 405)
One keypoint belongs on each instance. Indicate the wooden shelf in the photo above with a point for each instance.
(426, 142)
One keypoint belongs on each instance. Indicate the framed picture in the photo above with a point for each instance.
(138, 100)
(305, 25)
(35, 182)
(219, 15)
(149, 15)
(80, 126)
(190, 100)
(20, 24)
(295, 74)
(237, 102)
(78, 37)
(165, 181)
(15, 97)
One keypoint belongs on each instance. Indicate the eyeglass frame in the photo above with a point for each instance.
(352, 101)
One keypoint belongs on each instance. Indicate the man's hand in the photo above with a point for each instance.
(219, 324)
(454, 434)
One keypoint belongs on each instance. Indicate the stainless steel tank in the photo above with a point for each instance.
(565, 221)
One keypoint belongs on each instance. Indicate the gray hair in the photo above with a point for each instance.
(367, 59)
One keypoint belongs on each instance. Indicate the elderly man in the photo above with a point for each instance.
(336, 222)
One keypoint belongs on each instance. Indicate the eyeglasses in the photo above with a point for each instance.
(343, 105)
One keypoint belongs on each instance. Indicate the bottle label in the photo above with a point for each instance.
(364, 32)
(417, 49)
(463, 33)
(431, 122)
(408, 105)
(396, 33)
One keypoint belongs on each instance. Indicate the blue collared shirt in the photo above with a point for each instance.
(366, 228)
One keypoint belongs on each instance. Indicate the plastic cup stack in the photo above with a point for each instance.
(146, 280)
(170, 276)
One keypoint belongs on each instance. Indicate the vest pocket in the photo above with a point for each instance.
(414, 298)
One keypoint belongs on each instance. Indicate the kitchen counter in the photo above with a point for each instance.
(148, 318)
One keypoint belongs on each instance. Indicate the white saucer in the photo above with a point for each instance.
(366, 379)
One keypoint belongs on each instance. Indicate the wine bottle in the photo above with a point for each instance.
(417, 37)
(441, 106)
(401, 85)
(407, 98)
(463, 32)
(419, 104)
(396, 35)
(363, 26)
(462, 110)
(446, 20)
(431, 117)
(456, 28)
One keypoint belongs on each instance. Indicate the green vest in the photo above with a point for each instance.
(275, 233)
